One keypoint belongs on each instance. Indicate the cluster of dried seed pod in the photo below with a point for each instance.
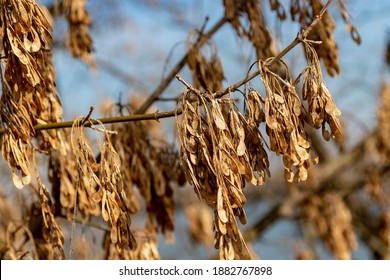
(51, 230)
(79, 41)
(28, 95)
(149, 168)
(64, 176)
(105, 181)
(322, 110)
(206, 73)
(305, 11)
(331, 219)
(285, 125)
(257, 33)
(214, 153)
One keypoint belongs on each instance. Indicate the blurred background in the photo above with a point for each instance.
(137, 43)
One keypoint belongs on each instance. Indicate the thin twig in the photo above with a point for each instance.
(182, 62)
(140, 116)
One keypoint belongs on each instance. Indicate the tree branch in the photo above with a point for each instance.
(140, 115)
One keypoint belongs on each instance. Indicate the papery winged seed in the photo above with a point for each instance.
(278, 98)
(221, 248)
(17, 181)
(220, 206)
(325, 133)
(105, 213)
(221, 226)
(303, 154)
(303, 142)
(288, 175)
(240, 166)
(241, 148)
(193, 158)
(271, 121)
(218, 117)
(192, 128)
(33, 46)
(14, 41)
(242, 216)
(114, 234)
(230, 250)
(297, 107)
(225, 168)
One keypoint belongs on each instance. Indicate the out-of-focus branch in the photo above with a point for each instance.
(182, 62)
(330, 176)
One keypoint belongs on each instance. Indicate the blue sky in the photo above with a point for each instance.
(137, 40)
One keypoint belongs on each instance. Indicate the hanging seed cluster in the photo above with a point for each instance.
(221, 148)
(150, 168)
(304, 11)
(79, 41)
(215, 156)
(64, 176)
(322, 110)
(146, 248)
(51, 230)
(105, 175)
(206, 73)
(28, 95)
(257, 32)
(285, 125)
(332, 220)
